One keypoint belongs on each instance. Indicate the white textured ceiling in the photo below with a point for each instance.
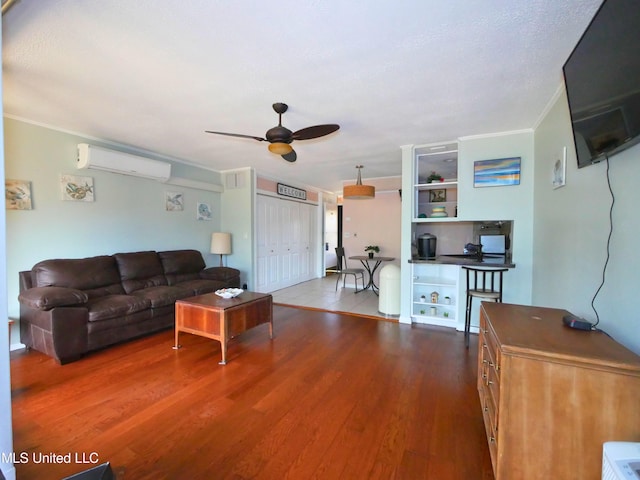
(155, 74)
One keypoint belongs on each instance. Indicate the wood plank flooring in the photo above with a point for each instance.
(332, 396)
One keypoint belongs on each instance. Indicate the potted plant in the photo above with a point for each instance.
(371, 249)
(434, 177)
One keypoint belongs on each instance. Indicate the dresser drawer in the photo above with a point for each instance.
(488, 414)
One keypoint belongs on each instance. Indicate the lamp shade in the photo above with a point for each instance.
(221, 243)
(359, 191)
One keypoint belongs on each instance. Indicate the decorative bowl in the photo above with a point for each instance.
(229, 292)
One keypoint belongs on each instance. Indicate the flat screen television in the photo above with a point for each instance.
(602, 79)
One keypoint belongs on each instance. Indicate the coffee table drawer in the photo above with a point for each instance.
(248, 316)
(193, 318)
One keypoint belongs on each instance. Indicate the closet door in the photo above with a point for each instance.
(289, 213)
(285, 238)
(306, 252)
(268, 268)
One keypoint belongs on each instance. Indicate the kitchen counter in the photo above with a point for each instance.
(488, 260)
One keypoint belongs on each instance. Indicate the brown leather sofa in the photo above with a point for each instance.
(69, 307)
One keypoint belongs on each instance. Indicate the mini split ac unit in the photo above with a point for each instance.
(621, 461)
(98, 158)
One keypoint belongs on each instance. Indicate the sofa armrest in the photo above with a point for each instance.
(61, 332)
(230, 276)
(46, 298)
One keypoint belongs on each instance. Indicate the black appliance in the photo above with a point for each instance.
(601, 78)
(427, 246)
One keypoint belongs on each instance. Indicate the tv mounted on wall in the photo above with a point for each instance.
(602, 79)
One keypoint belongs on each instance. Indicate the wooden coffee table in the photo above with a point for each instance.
(218, 318)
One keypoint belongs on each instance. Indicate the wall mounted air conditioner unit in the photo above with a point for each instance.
(98, 158)
(621, 461)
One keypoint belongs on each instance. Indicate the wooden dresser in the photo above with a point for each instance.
(551, 395)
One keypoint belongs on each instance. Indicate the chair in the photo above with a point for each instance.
(485, 284)
(342, 272)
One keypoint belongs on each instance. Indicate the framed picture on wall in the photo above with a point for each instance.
(173, 201)
(496, 173)
(17, 194)
(560, 170)
(77, 189)
(204, 211)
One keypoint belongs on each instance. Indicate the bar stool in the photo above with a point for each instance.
(485, 284)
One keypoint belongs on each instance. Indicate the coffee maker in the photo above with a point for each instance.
(427, 246)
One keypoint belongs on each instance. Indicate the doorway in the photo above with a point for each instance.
(332, 227)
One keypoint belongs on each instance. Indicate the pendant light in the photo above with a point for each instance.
(359, 191)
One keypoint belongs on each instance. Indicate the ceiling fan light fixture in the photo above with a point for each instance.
(358, 191)
(280, 148)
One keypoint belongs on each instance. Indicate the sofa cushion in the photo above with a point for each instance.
(200, 286)
(110, 306)
(46, 298)
(227, 275)
(96, 276)
(140, 270)
(162, 295)
(181, 265)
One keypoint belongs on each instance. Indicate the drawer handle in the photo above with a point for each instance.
(489, 382)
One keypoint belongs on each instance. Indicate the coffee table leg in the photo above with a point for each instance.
(223, 347)
(176, 345)
(223, 338)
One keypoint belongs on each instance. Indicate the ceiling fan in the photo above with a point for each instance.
(280, 137)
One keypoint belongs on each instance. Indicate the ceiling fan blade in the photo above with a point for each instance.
(260, 139)
(315, 131)
(291, 156)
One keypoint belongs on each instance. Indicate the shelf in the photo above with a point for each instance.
(437, 185)
(439, 284)
(435, 282)
(435, 204)
(435, 320)
(443, 305)
(435, 219)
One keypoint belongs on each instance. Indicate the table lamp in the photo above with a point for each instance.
(221, 244)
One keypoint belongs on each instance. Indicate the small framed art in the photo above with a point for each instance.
(17, 194)
(438, 195)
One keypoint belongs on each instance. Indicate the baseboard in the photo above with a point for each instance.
(16, 346)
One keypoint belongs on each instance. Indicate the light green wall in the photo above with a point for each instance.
(128, 213)
(514, 202)
(6, 425)
(571, 228)
(237, 218)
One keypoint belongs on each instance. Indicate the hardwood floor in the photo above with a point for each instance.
(332, 396)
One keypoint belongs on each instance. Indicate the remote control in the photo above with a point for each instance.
(578, 323)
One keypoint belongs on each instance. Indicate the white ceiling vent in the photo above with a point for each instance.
(98, 158)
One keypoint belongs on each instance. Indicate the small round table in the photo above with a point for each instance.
(366, 262)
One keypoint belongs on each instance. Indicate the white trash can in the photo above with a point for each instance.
(389, 299)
